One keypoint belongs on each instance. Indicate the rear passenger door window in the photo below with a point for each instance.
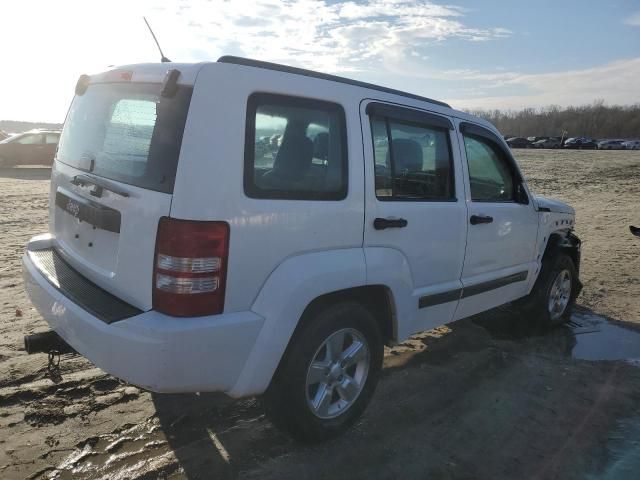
(295, 149)
(491, 177)
(413, 161)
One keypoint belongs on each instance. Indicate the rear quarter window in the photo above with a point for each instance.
(295, 148)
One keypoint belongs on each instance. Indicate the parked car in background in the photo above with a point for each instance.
(3, 135)
(580, 143)
(611, 145)
(631, 145)
(519, 142)
(552, 142)
(35, 147)
(535, 139)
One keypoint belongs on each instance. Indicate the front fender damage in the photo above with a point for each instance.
(569, 243)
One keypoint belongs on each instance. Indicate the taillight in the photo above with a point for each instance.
(190, 267)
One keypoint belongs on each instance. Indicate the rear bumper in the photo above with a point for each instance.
(151, 350)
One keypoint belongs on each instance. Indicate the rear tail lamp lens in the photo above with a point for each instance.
(190, 267)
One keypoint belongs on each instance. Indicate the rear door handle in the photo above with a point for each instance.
(383, 223)
(478, 219)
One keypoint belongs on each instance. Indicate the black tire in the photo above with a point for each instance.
(536, 305)
(285, 400)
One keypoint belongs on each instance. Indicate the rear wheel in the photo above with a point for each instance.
(328, 375)
(552, 298)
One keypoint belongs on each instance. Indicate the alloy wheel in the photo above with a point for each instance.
(337, 373)
(559, 295)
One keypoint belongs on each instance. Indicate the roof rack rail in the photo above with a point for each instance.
(324, 76)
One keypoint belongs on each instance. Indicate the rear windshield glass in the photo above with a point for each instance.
(126, 132)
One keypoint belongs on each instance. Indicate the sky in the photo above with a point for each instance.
(490, 54)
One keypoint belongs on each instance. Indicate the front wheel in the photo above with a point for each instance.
(328, 374)
(554, 293)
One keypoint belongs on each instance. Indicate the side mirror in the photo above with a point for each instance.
(521, 195)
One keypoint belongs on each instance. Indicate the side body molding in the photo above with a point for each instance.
(294, 284)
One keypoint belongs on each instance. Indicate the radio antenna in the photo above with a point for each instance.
(163, 59)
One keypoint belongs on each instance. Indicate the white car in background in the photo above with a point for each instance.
(632, 145)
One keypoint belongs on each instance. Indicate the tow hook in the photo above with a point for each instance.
(46, 342)
(53, 345)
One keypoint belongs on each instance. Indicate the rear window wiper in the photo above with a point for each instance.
(99, 186)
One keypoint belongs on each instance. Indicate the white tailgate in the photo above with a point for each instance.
(120, 262)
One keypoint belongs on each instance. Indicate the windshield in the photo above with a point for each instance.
(126, 132)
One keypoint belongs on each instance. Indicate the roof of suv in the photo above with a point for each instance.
(153, 71)
(325, 76)
(246, 62)
(189, 71)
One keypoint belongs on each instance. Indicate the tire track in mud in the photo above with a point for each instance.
(45, 402)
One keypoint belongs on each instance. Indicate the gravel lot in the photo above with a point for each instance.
(483, 398)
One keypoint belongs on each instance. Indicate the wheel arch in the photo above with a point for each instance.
(378, 299)
(566, 242)
(294, 290)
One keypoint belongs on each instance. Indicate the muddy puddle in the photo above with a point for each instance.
(587, 336)
(599, 339)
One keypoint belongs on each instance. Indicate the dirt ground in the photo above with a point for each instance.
(483, 398)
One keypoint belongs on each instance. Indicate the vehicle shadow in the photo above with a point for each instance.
(26, 173)
(213, 436)
(587, 335)
(190, 433)
(507, 323)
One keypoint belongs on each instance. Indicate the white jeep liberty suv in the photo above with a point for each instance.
(252, 228)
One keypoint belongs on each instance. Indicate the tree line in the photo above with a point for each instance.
(13, 126)
(594, 121)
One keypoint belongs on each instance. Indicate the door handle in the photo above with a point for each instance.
(477, 219)
(383, 223)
